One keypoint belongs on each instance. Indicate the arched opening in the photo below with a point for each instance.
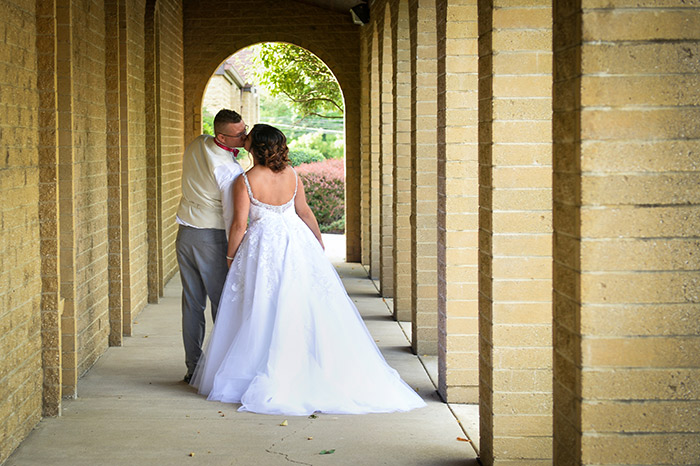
(291, 88)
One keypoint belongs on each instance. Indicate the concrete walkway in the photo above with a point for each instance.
(133, 408)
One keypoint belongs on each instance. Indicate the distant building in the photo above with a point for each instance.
(230, 88)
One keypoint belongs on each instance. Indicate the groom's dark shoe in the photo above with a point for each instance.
(187, 378)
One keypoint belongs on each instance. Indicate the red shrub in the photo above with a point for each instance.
(324, 184)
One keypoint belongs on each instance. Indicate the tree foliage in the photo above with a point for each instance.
(300, 76)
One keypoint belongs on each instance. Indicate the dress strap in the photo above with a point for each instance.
(296, 182)
(247, 185)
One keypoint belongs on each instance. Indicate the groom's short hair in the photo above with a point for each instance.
(224, 117)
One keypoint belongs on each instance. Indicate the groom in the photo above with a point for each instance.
(209, 168)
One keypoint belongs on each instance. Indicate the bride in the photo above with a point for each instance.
(287, 338)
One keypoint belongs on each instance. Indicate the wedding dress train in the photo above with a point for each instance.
(288, 339)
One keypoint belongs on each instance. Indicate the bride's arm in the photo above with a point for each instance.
(304, 211)
(241, 207)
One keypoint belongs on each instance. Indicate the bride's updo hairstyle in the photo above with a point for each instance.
(269, 147)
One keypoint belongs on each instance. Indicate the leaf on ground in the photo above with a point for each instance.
(313, 416)
(309, 438)
(462, 439)
(326, 452)
(284, 423)
(191, 453)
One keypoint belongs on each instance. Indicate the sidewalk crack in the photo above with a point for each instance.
(286, 455)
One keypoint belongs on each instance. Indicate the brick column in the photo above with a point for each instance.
(51, 303)
(353, 175)
(457, 200)
(66, 197)
(402, 161)
(375, 151)
(134, 174)
(515, 260)
(154, 185)
(114, 180)
(424, 302)
(386, 157)
(365, 146)
(123, 73)
(626, 223)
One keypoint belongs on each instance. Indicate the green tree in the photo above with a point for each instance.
(300, 76)
(207, 122)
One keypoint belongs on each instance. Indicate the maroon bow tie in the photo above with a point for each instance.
(230, 149)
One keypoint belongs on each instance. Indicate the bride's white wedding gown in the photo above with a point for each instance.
(287, 338)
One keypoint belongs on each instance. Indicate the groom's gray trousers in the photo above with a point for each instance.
(201, 256)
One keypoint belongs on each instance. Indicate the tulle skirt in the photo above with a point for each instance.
(288, 339)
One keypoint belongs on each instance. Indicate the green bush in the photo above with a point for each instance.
(328, 144)
(337, 226)
(303, 155)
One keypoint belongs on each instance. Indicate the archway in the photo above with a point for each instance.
(209, 38)
(292, 89)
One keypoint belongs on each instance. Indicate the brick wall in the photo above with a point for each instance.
(74, 250)
(20, 260)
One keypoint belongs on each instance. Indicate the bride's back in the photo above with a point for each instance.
(272, 188)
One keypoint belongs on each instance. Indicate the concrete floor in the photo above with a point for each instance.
(133, 408)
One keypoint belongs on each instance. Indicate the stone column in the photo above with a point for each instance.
(424, 302)
(402, 161)
(375, 150)
(515, 231)
(365, 147)
(154, 185)
(386, 157)
(66, 198)
(51, 303)
(458, 357)
(353, 176)
(626, 221)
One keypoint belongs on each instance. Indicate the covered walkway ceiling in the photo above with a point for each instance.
(337, 5)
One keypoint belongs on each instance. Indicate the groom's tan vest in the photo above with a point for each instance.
(200, 205)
